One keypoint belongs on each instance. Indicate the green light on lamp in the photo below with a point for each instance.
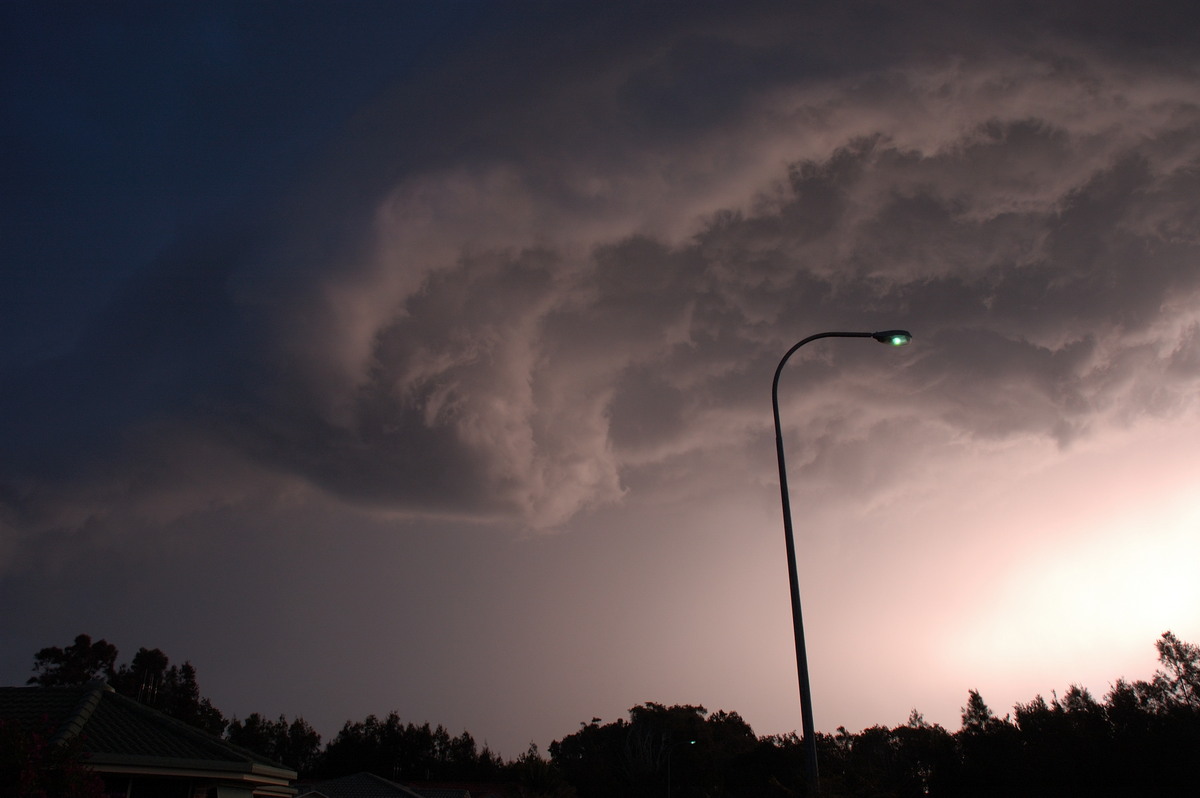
(893, 337)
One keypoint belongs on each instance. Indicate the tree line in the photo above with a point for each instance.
(1142, 738)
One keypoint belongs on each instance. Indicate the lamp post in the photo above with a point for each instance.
(892, 338)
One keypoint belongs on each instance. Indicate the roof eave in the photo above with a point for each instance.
(243, 771)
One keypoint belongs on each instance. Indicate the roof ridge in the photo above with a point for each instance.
(82, 712)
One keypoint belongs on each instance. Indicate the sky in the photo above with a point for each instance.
(417, 356)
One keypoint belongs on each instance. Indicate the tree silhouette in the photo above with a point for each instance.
(684, 746)
(79, 663)
(1143, 738)
(1179, 685)
(149, 678)
(295, 744)
(399, 751)
(537, 777)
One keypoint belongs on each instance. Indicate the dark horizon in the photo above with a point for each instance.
(1133, 740)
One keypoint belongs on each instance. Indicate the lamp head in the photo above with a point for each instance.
(893, 337)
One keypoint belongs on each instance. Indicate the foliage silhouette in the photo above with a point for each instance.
(149, 678)
(1143, 738)
(79, 663)
(406, 752)
(295, 744)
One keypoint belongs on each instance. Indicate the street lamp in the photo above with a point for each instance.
(891, 338)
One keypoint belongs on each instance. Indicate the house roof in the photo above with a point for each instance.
(120, 735)
(360, 785)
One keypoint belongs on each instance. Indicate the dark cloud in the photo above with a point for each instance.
(128, 125)
(506, 284)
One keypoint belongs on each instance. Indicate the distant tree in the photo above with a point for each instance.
(926, 757)
(1142, 739)
(694, 750)
(257, 734)
(537, 777)
(988, 746)
(295, 744)
(303, 746)
(149, 678)
(399, 751)
(591, 758)
(869, 766)
(1179, 684)
(171, 689)
(143, 678)
(180, 698)
(914, 759)
(977, 717)
(1065, 745)
(773, 768)
(79, 663)
(1167, 735)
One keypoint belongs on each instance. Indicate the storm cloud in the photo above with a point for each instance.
(499, 338)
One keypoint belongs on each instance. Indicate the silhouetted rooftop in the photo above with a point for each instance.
(115, 731)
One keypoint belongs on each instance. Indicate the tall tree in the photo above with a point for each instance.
(79, 663)
(406, 751)
(143, 678)
(681, 746)
(537, 777)
(977, 716)
(149, 678)
(1179, 684)
(295, 744)
(180, 698)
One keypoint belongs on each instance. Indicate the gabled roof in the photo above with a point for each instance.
(360, 785)
(120, 735)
